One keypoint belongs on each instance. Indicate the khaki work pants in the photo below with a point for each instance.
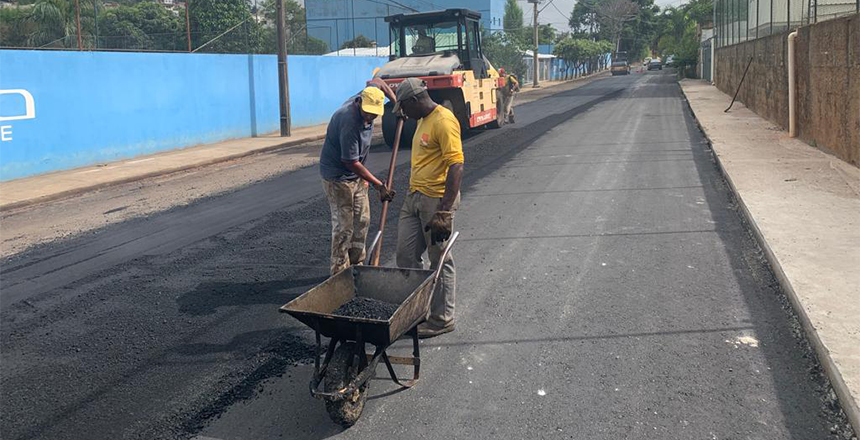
(508, 105)
(412, 241)
(350, 218)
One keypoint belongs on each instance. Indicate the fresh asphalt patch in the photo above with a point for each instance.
(149, 328)
(162, 326)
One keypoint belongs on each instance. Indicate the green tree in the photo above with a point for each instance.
(634, 31)
(513, 25)
(14, 27)
(119, 30)
(637, 35)
(212, 21)
(165, 29)
(298, 40)
(53, 24)
(358, 41)
(546, 34)
(582, 52)
(145, 25)
(503, 52)
(583, 18)
(513, 19)
(678, 30)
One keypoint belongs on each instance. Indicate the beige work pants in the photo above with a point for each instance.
(508, 105)
(350, 218)
(412, 241)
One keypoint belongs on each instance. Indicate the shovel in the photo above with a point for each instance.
(376, 246)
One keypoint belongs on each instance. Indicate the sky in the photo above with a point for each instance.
(558, 12)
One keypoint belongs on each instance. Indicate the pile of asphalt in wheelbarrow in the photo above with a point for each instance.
(361, 307)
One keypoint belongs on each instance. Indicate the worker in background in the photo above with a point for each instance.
(345, 178)
(424, 44)
(512, 86)
(427, 215)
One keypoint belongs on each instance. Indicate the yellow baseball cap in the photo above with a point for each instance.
(373, 100)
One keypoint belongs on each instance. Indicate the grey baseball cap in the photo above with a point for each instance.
(409, 88)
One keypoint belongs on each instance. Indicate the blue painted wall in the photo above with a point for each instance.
(93, 107)
(337, 21)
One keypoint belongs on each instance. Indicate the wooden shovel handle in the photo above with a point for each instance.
(377, 248)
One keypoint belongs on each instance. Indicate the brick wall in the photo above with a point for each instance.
(828, 82)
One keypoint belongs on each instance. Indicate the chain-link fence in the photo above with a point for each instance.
(736, 21)
(160, 25)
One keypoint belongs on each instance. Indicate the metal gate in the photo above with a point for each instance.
(706, 59)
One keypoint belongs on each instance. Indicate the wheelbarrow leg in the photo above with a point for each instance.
(415, 361)
(320, 371)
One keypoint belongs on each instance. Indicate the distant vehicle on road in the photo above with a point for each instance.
(655, 64)
(620, 68)
(670, 60)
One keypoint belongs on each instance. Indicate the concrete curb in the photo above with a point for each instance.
(849, 406)
(166, 171)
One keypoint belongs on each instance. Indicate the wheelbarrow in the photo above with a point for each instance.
(343, 378)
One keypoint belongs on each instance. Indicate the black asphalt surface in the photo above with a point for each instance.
(607, 289)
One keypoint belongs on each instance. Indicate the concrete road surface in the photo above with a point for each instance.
(607, 289)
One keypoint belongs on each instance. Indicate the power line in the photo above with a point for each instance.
(545, 6)
(393, 3)
(559, 11)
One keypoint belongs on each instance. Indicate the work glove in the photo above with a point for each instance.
(385, 194)
(440, 226)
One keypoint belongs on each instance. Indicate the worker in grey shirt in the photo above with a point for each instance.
(345, 178)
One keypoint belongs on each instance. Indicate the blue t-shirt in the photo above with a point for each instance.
(347, 138)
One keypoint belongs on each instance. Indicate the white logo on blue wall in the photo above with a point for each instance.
(29, 112)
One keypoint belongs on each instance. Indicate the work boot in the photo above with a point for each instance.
(426, 330)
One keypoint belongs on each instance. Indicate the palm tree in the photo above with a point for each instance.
(54, 22)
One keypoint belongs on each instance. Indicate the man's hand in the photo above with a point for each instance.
(386, 89)
(440, 226)
(385, 194)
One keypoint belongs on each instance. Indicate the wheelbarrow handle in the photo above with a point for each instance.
(445, 255)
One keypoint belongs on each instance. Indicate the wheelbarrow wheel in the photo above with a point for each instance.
(346, 411)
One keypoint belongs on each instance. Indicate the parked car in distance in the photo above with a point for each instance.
(655, 64)
(670, 60)
(619, 68)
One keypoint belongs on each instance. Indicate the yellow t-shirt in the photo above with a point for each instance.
(435, 147)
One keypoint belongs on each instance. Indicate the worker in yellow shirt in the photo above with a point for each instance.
(426, 218)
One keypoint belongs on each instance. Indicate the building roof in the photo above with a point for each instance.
(360, 52)
(541, 56)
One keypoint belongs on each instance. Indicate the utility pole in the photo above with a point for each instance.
(78, 22)
(188, 24)
(283, 78)
(96, 17)
(535, 60)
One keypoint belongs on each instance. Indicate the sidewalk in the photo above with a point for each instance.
(804, 207)
(61, 184)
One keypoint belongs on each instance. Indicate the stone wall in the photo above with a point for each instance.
(828, 82)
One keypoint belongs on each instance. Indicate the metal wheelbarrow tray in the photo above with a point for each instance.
(342, 377)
